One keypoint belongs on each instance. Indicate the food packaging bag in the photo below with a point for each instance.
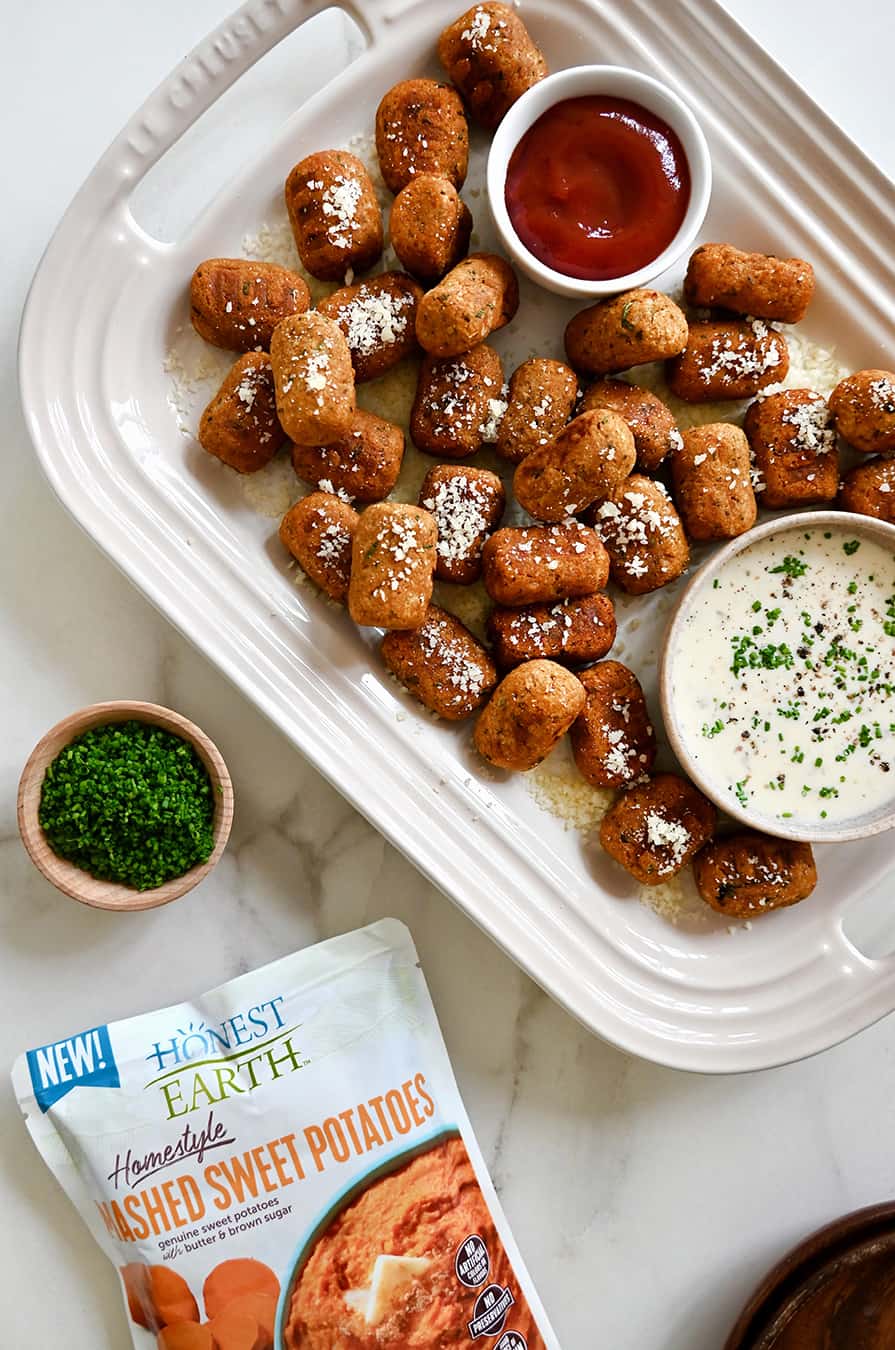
(286, 1162)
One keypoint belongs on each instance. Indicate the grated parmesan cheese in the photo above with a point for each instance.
(376, 318)
(491, 426)
(569, 798)
(739, 359)
(440, 644)
(813, 427)
(339, 206)
(247, 389)
(460, 506)
(882, 394)
(668, 836)
(477, 32)
(332, 543)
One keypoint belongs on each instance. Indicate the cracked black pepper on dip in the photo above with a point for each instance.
(129, 802)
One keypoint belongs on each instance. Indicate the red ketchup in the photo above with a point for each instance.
(597, 187)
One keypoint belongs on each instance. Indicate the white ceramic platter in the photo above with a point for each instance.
(105, 307)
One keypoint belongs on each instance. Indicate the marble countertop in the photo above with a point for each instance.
(647, 1202)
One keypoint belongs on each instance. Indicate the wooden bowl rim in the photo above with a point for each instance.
(788, 1276)
(72, 880)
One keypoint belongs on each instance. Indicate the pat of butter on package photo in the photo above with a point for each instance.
(285, 1163)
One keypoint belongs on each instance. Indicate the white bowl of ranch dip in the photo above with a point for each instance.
(777, 677)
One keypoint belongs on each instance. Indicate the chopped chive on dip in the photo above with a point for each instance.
(791, 567)
(129, 803)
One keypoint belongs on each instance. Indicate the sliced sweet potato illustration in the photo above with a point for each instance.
(186, 1336)
(172, 1296)
(237, 1331)
(230, 1279)
(157, 1296)
(263, 1307)
(136, 1289)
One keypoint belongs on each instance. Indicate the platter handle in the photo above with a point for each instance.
(876, 972)
(215, 64)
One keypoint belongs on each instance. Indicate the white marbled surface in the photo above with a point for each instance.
(647, 1202)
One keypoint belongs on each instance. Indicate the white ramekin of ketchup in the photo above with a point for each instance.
(599, 179)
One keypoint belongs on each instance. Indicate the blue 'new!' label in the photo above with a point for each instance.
(86, 1060)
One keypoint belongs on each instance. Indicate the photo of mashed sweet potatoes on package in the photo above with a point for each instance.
(285, 1164)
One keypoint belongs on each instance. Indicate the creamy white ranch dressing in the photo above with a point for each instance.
(784, 680)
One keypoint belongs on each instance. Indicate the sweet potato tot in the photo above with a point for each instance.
(236, 303)
(318, 531)
(491, 58)
(541, 397)
(654, 829)
(430, 227)
(794, 449)
(240, 426)
(467, 504)
(377, 318)
(720, 276)
(540, 564)
(613, 740)
(869, 489)
(747, 874)
(626, 330)
(642, 534)
(530, 710)
(421, 128)
(863, 408)
(458, 403)
(392, 565)
(570, 632)
(710, 476)
(587, 462)
(651, 423)
(441, 665)
(727, 359)
(334, 214)
(364, 463)
(314, 379)
(480, 295)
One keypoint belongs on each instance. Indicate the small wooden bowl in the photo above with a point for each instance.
(839, 1259)
(72, 880)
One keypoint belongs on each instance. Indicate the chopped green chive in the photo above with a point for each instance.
(129, 802)
(791, 567)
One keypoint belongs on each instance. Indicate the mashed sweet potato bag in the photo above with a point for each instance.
(285, 1162)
